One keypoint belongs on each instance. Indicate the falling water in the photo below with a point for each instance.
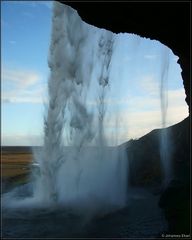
(87, 173)
(76, 167)
(164, 134)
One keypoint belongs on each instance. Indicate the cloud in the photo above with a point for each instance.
(22, 86)
(143, 114)
(136, 124)
(132, 122)
(20, 78)
(150, 101)
(22, 140)
(150, 57)
(177, 94)
(37, 95)
(149, 84)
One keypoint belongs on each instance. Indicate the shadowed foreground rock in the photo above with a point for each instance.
(145, 171)
(175, 200)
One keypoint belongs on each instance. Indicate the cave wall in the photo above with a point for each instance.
(167, 22)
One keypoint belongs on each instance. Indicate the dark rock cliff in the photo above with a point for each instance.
(144, 156)
(175, 199)
(145, 171)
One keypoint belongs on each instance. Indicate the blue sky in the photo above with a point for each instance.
(26, 29)
(136, 73)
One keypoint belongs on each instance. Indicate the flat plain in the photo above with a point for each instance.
(15, 161)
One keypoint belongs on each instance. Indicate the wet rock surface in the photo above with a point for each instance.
(175, 199)
(145, 171)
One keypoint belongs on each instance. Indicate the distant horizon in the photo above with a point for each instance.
(133, 139)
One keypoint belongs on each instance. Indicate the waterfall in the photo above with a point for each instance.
(164, 134)
(80, 170)
(76, 165)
